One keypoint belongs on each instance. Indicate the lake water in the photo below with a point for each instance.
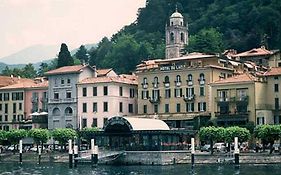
(58, 168)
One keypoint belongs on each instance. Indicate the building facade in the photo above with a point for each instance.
(100, 98)
(62, 93)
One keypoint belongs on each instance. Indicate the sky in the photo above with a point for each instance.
(24, 23)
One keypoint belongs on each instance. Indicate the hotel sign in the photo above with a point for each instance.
(171, 67)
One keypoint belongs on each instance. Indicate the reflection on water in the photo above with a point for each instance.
(57, 169)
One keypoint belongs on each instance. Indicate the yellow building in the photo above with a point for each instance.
(177, 90)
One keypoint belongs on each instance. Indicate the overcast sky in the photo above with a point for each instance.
(24, 23)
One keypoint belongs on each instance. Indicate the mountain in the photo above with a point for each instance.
(87, 46)
(32, 54)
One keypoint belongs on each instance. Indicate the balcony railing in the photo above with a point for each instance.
(232, 99)
(189, 83)
(63, 100)
(178, 83)
(167, 84)
(189, 98)
(242, 99)
(155, 85)
(144, 86)
(154, 100)
(201, 81)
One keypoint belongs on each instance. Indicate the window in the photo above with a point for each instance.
(178, 107)
(167, 93)
(276, 87)
(144, 109)
(68, 81)
(62, 81)
(105, 90)
(166, 79)
(84, 92)
(56, 95)
(201, 79)
(202, 91)
(120, 107)
(178, 93)
(201, 106)
(95, 122)
(155, 108)
(84, 123)
(276, 119)
(189, 107)
(144, 83)
(1, 118)
(155, 82)
(276, 78)
(167, 108)
(121, 91)
(155, 94)
(276, 103)
(95, 107)
(84, 107)
(189, 77)
(178, 79)
(105, 107)
(189, 92)
(1, 97)
(104, 121)
(95, 91)
(68, 94)
(56, 112)
(144, 95)
(6, 108)
(172, 37)
(182, 37)
(260, 121)
(14, 117)
(1, 107)
(6, 97)
(6, 118)
(68, 111)
(14, 108)
(132, 93)
(20, 106)
(131, 108)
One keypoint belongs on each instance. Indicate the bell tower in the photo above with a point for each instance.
(176, 35)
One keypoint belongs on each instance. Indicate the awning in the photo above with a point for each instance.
(249, 65)
(233, 63)
(43, 113)
(128, 124)
(35, 114)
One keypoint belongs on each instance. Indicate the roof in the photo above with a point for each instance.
(67, 69)
(273, 71)
(126, 79)
(7, 80)
(26, 83)
(254, 52)
(242, 78)
(136, 124)
(103, 72)
(187, 57)
(176, 15)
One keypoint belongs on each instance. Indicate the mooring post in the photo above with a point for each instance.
(75, 155)
(192, 152)
(70, 151)
(39, 154)
(92, 151)
(20, 150)
(96, 153)
(236, 152)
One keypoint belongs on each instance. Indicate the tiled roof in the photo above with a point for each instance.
(66, 69)
(254, 52)
(236, 79)
(117, 79)
(273, 71)
(6, 80)
(26, 83)
(103, 72)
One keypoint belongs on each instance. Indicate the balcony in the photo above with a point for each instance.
(166, 84)
(178, 83)
(39, 119)
(242, 99)
(189, 83)
(201, 81)
(155, 85)
(63, 100)
(189, 98)
(154, 100)
(144, 85)
(232, 117)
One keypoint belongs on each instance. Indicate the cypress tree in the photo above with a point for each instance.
(64, 58)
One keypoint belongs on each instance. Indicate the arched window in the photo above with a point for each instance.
(155, 82)
(189, 77)
(68, 111)
(166, 79)
(144, 80)
(56, 112)
(202, 77)
(172, 37)
(181, 23)
(178, 78)
(182, 37)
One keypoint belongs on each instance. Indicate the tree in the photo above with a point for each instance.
(211, 134)
(64, 57)
(88, 133)
(3, 136)
(97, 55)
(42, 69)
(82, 54)
(7, 71)
(62, 135)
(268, 134)
(40, 136)
(28, 71)
(243, 134)
(206, 41)
(15, 135)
